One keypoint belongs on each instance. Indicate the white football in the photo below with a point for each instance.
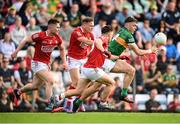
(160, 38)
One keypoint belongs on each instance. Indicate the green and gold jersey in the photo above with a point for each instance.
(121, 41)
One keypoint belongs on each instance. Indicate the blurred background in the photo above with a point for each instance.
(156, 86)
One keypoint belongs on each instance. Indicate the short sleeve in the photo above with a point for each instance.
(59, 39)
(130, 40)
(36, 37)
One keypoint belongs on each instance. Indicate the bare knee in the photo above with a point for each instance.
(131, 71)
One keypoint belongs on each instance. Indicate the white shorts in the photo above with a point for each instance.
(108, 65)
(75, 63)
(92, 74)
(38, 66)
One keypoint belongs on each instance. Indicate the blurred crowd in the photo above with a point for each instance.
(155, 74)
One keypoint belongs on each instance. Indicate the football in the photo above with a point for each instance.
(160, 38)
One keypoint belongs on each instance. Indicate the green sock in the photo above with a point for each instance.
(124, 92)
(79, 101)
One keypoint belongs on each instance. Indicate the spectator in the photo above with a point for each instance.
(146, 31)
(23, 75)
(7, 46)
(10, 18)
(154, 79)
(97, 28)
(66, 31)
(174, 106)
(42, 17)
(122, 15)
(6, 74)
(93, 12)
(74, 16)
(26, 14)
(107, 13)
(172, 19)
(18, 4)
(60, 14)
(152, 104)
(138, 11)
(3, 29)
(115, 26)
(171, 53)
(170, 80)
(5, 104)
(120, 4)
(154, 17)
(139, 79)
(161, 60)
(17, 31)
(32, 27)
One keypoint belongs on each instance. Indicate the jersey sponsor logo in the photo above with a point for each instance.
(47, 48)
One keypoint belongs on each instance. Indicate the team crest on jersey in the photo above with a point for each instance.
(47, 49)
(79, 34)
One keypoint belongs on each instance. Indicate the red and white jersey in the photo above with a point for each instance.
(44, 46)
(96, 58)
(78, 49)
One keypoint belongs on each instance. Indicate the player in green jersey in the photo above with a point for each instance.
(122, 40)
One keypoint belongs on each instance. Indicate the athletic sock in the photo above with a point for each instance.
(79, 101)
(124, 92)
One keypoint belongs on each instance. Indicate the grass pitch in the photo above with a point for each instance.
(91, 118)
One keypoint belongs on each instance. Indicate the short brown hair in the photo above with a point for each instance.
(53, 21)
(130, 19)
(87, 19)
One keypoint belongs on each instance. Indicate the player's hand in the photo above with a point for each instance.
(154, 50)
(124, 57)
(107, 54)
(14, 55)
(65, 66)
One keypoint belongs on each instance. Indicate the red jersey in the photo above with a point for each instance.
(44, 46)
(78, 49)
(96, 58)
(147, 59)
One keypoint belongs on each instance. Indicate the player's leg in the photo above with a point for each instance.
(75, 76)
(82, 84)
(101, 78)
(28, 87)
(122, 66)
(47, 77)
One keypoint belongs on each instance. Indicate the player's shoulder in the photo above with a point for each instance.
(38, 34)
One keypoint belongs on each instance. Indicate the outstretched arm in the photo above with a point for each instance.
(21, 45)
(141, 52)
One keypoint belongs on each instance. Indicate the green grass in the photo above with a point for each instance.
(90, 117)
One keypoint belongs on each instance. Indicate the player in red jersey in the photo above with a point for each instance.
(91, 71)
(45, 42)
(81, 42)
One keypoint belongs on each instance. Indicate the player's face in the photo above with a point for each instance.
(54, 28)
(89, 26)
(132, 27)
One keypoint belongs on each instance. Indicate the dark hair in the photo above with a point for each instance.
(130, 19)
(106, 29)
(87, 19)
(53, 21)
